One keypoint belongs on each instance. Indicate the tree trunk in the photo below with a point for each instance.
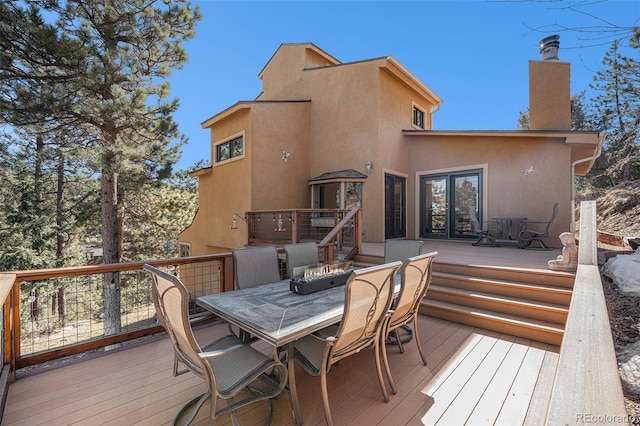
(110, 244)
(60, 240)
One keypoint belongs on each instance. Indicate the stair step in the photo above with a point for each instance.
(523, 290)
(499, 303)
(524, 275)
(542, 331)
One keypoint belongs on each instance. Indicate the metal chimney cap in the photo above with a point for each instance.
(549, 48)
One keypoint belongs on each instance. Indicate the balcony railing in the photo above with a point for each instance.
(53, 313)
(340, 229)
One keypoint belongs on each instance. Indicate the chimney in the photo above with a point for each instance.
(549, 89)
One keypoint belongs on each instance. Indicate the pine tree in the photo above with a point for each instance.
(618, 106)
(99, 68)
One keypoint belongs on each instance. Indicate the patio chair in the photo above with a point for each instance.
(532, 234)
(228, 365)
(487, 232)
(415, 283)
(401, 250)
(255, 266)
(368, 295)
(300, 255)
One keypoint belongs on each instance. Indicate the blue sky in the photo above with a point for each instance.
(473, 54)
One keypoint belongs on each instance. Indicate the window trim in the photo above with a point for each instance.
(414, 107)
(239, 135)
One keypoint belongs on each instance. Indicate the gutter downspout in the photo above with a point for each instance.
(573, 177)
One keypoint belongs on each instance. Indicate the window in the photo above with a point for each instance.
(230, 149)
(330, 195)
(353, 195)
(185, 249)
(418, 117)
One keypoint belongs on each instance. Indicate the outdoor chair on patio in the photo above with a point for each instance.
(533, 233)
(255, 266)
(299, 256)
(228, 365)
(368, 296)
(401, 250)
(487, 232)
(415, 283)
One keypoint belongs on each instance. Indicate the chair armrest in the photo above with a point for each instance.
(531, 222)
(321, 336)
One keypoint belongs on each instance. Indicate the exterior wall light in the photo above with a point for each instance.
(368, 166)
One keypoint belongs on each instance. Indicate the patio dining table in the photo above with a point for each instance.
(510, 225)
(279, 316)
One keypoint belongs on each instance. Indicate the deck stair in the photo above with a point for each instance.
(528, 303)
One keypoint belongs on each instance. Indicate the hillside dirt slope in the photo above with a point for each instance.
(618, 213)
(618, 210)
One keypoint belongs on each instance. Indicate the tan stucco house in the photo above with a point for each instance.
(327, 134)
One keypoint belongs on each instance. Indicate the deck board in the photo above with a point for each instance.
(472, 374)
(135, 385)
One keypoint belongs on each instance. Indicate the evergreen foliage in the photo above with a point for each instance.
(618, 114)
(99, 68)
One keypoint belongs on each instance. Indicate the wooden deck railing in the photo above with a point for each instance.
(23, 324)
(38, 326)
(587, 386)
(340, 229)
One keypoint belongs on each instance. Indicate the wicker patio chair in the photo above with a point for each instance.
(487, 232)
(228, 365)
(300, 255)
(415, 282)
(368, 295)
(535, 232)
(255, 266)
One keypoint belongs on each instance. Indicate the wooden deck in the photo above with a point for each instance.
(463, 252)
(473, 376)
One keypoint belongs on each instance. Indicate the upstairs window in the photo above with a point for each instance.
(418, 117)
(232, 148)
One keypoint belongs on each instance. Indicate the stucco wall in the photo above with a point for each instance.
(257, 181)
(332, 118)
(277, 184)
(396, 113)
(224, 191)
(344, 131)
(524, 176)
